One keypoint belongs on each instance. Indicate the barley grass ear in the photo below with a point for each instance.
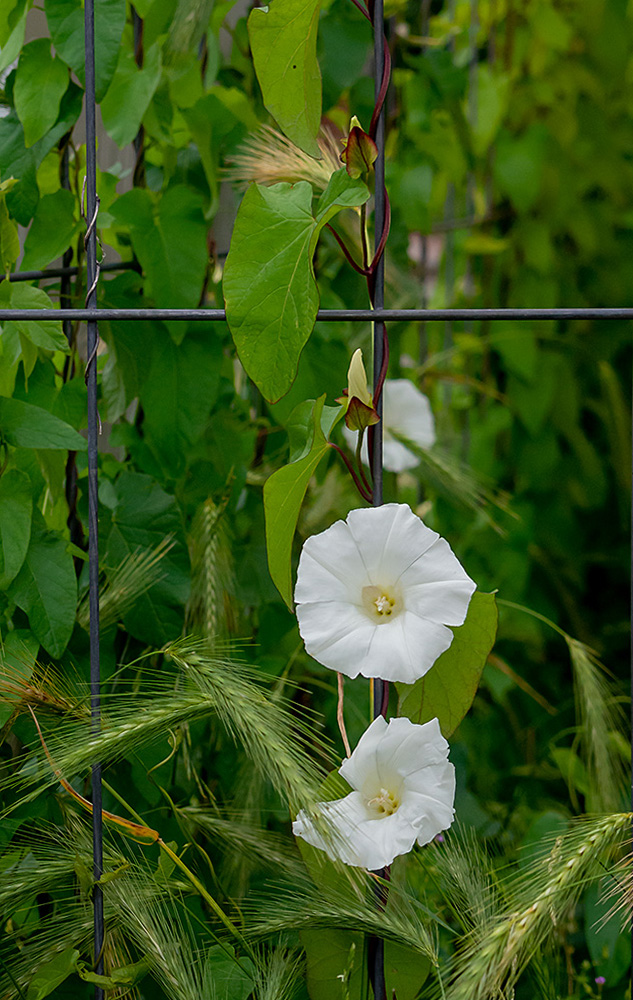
(268, 157)
(209, 609)
(603, 725)
(123, 585)
(277, 974)
(298, 905)
(537, 901)
(205, 684)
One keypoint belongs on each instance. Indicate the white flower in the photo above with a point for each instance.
(375, 594)
(407, 412)
(404, 789)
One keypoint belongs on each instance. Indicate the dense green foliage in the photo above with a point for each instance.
(509, 145)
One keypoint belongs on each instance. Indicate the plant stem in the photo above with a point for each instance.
(206, 895)
(363, 235)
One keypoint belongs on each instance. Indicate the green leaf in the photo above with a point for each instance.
(47, 333)
(283, 495)
(283, 41)
(40, 83)
(269, 287)
(52, 231)
(143, 516)
(18, 161)
(169, 236)
(342, 191)
(448, 689)
(49, 976)
(46, 589)
(18, 651)
(336, 962)
(12, 27)
(26, 426)
(227, 978)
(125, 975)
(66, 24)
(129, 94)
(219, 121)
(180, 391)
(9, 239)
(16, 508)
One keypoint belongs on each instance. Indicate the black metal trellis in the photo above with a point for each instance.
(378, 315)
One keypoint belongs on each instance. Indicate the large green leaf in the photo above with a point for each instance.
(227, 978)
(448, 689)
(180, 391)
(269, 287)
(50, 975)
(219, 120)
(16, 508)
(169, 236)
(283, 41)
(46, 334)
(12, 28)
(26, 426)
(66, 25)
(143, 515)
(283, 495)
(40, 83)
(52, 231)
(46, 588)
(336, 966)
(129, 95)
(19, 162)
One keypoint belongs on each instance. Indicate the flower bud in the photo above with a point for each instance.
(360, 151)
(360, 408)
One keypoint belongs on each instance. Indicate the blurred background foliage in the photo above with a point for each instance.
(510, 172)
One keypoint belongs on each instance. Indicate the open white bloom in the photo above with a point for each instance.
(406, 412)
(404, 789)
(375, 594)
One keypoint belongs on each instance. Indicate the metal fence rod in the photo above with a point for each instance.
(324, 315)
(92, 274)
(70, 271)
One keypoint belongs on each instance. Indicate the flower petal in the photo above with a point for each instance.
(405, 648)
(409, 749)
(331, 567)
(337, 634)
(355, 839)
(436, 585)
(408, 412)
(362, 763)
(389, 539)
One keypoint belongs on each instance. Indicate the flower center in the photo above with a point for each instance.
(385, 804)
(381, 603)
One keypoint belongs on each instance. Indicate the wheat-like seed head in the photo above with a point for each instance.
(268, 157)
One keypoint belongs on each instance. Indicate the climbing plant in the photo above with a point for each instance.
(237, 170)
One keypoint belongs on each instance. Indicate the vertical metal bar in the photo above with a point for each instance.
(379, 222)
(376, 945)
(93, 435)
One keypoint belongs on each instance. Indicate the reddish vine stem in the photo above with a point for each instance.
(357, 483)
(381, 246)
(361, 270)
(384, 85)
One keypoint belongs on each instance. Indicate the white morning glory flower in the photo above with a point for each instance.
(406, 412)
(375, 594)
(403, 792)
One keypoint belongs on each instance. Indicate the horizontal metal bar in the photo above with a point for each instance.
(324, 315)
(62, 272)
